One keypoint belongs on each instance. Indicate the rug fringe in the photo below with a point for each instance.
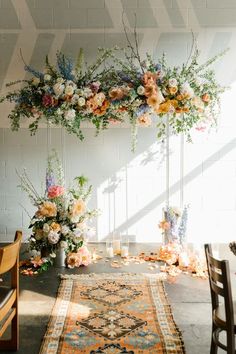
(159, 276)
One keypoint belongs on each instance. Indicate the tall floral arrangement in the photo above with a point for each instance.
(134, 88)
(62, 216)
(174, 224)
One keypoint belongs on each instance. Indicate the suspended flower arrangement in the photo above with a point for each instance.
(132, 89)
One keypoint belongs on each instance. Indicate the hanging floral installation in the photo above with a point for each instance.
(130, 89)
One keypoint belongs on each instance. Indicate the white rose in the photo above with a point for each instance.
(47, 77)
(87, 92)
(75, 99)
(173, 82)
(58, 89)
(69, 90)
(140, 90)
(70, 114)
(35, 81)
(46, 228)
(65, 230)
(53, 237)
(81, 101)
(186, 89)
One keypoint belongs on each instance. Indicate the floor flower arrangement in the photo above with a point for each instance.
(136, 89)
(61, 220)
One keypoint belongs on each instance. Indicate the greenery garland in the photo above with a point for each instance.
(104, 94)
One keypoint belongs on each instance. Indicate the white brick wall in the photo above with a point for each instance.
(129, 188)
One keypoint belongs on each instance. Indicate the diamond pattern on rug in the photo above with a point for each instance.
(112, 324)
(111, 349)
(111, 293)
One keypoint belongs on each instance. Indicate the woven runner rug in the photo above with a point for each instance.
(112, 314)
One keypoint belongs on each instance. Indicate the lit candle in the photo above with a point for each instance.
(124, 251)
(116, 246)
(110, 253)
(183, 259)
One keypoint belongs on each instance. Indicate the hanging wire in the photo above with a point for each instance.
(167, 162)
(181, 170)
(63, 151)
(48, 138)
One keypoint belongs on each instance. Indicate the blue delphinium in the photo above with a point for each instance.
(65, 66)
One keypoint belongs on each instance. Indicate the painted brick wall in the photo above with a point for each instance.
(128, 188)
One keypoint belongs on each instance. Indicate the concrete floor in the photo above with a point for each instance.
(189, 297)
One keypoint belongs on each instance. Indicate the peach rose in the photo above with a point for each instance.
(47, 209)
(116, 93)
(78, 208)
(144, 120)
(149, 77)
(150, 90)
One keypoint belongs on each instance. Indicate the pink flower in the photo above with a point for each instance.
(55, 191)
(81, 257)
(48, 101)
(85, 256)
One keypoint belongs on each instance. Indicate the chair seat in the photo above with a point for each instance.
(219, 314)
(5, 294)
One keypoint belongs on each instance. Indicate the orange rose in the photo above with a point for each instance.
(206, 97)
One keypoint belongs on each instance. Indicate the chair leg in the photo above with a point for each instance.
(230, 343)
(13, 343)
(214, 347)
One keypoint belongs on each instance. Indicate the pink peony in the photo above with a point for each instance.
(55, 191)
(81, 257)
(85, 256)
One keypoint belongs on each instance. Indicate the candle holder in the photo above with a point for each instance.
(116, 245)
(109, 249)
(124, 247)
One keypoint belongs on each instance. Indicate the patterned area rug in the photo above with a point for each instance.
(112, 314)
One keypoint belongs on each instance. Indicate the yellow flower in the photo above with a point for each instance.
(173, 90)
(163, 108)
(55, 227)
(47, 209)
(153, 101)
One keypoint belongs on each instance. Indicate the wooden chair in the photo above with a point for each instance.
(223, 313)
(9, 262)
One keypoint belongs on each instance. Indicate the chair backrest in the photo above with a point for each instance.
(220, 284)
(9, 254)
